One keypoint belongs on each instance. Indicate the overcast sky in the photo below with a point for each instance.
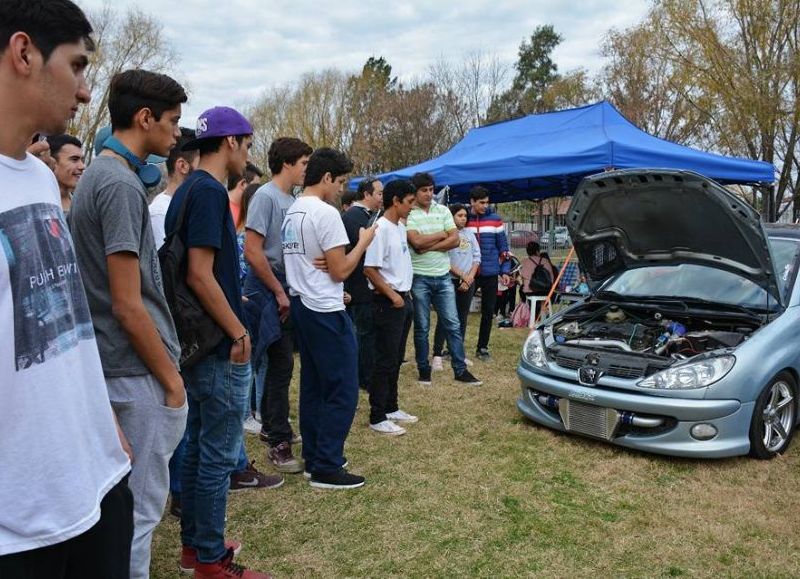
(232, 50)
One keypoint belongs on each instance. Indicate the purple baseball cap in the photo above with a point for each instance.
(219, 122)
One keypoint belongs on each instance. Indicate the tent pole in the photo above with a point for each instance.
(546, 302)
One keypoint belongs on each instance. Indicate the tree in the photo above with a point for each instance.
(412, 128)
(468, 88)
(656, 93)
(132, 40)
(536, 71)
(367, 97)
(743, 56)
(315, 109)
(573, 89)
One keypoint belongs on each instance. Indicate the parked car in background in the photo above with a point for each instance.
(562, 237)
(688, 345)
(519, 238)
(558, 238)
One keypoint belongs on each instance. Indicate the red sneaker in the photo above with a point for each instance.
(189, 555)
(226, 569)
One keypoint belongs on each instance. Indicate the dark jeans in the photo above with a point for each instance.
(361, 314)
(389, 324)
(275, 401)
(463, 301)
(219, 394)
(328, 384)
(506, 302)
(488, 287)
(406, 332)
(102, 552)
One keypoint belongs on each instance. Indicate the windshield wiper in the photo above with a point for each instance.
(752, 312)
(609, 294)
(683, 302)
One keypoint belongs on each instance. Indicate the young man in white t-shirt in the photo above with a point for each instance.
(311, 230)
(65, 509)
(180, 165)
(388, 269)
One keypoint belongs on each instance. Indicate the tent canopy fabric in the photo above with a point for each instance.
(546, 155)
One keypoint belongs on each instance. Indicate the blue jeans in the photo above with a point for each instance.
(219, 395)
(176, 463)
(437, 291)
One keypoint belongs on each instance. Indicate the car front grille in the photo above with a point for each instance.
(570, 363)
(588, 419)
(625, 372)
(615, 370)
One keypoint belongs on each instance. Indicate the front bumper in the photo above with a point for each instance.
(730, 417)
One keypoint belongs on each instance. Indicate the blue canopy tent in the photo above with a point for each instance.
(547, 155)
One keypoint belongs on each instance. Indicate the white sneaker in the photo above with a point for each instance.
(400, 416)
(468, 362)
(388, 427)
(252, 426)
(436, 364)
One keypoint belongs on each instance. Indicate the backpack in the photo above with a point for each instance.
(522, 315)
(198, 333)
(540, 282)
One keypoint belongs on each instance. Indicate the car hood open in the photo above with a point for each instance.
(644, 217)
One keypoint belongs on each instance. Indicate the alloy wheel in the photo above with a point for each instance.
(778, 416)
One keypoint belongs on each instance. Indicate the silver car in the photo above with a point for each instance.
(689, 344)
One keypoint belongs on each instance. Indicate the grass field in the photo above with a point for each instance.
(473, 490)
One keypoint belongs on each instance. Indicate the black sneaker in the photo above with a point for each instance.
(338, 480)
(175, 505)
(467, 378)
(424, 378)
(307, 475)
(483, 354)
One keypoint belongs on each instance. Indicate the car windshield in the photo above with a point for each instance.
(708, 283)
(689, 281)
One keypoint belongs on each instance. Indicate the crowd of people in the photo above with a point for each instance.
(150, 333)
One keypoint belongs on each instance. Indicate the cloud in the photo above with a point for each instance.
(233, 50)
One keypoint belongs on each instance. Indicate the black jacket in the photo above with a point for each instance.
(356, 285)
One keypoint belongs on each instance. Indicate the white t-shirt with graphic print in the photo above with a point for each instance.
(59, 449)
(311, 228)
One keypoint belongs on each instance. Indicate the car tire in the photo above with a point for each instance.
(774, 417)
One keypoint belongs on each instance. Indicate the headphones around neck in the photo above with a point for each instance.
(149, 174)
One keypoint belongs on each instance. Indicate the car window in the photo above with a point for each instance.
(785, 252)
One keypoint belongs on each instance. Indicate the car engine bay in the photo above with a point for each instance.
(649, 331)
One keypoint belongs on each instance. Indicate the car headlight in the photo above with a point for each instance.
(533, 350)
(693, 375)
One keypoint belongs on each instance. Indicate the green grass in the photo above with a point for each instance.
(474, 490)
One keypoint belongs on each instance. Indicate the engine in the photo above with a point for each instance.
(647, 332)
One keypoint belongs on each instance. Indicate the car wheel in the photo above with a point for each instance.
(774, 417)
